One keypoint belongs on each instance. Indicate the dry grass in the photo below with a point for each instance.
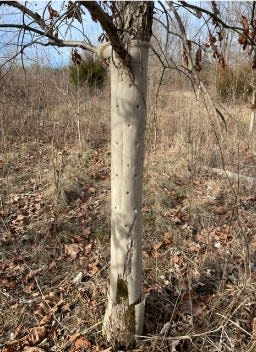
(199, 238)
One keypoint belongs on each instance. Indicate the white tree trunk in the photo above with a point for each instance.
(125, 309)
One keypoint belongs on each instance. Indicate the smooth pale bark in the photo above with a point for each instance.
(125, 310)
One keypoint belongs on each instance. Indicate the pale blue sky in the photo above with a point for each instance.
(49, 55)
(52, 57)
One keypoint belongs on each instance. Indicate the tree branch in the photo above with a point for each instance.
(211, 14)
(72, 44)
(108, 26)
(190, 61)
(25, 10)
(24, 27)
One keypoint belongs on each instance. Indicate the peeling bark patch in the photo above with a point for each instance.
(121, 290)
(120, 328)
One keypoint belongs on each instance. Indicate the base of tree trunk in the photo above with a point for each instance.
(122, 322)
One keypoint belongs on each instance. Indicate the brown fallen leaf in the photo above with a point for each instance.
(78, 342)
(33, 273)
(35, 335)
(156, 247)
(46, 319)
(72, 250)
(33, 349)
(6, 282)
(19, 217)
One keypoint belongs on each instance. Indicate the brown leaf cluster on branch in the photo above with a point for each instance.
(76, 57)
(248, 36)
(74, 11)
(185, 56)
(213, 44)
(244, 37)
(52, 29)
(198, 65)
(214, 39)
(216, 12)
(52, 13)
(198, 57)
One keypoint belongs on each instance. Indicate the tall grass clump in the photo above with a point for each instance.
(88, 72)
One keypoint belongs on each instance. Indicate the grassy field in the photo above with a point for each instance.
(199, 241)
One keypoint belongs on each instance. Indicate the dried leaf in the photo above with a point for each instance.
(185, 58)
(72, 250)
(222, 61)
(243, 40)
(189, 44)
(53, 13)
(20, 217)
(8, 283)
(156, 247)
(79, 342)
(33, 349)
(220, 36)
(216, 11)
(212, 39)
(36, 334)
(33, 273)
(254, 63)
(76, 57)
(198, 13)
(198, 66)
(94, 268)
(244, 22)
(74, 11)
(46, 319)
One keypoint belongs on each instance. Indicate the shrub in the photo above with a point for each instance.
(89, 72)
(233, 83)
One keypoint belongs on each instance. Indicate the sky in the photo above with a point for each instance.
(44, 55)
(62, 56)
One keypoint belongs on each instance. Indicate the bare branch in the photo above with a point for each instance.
(72, 44)
(25, 10)
(191, 64)
(211, 14)
(108, 26)
(22, 26)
